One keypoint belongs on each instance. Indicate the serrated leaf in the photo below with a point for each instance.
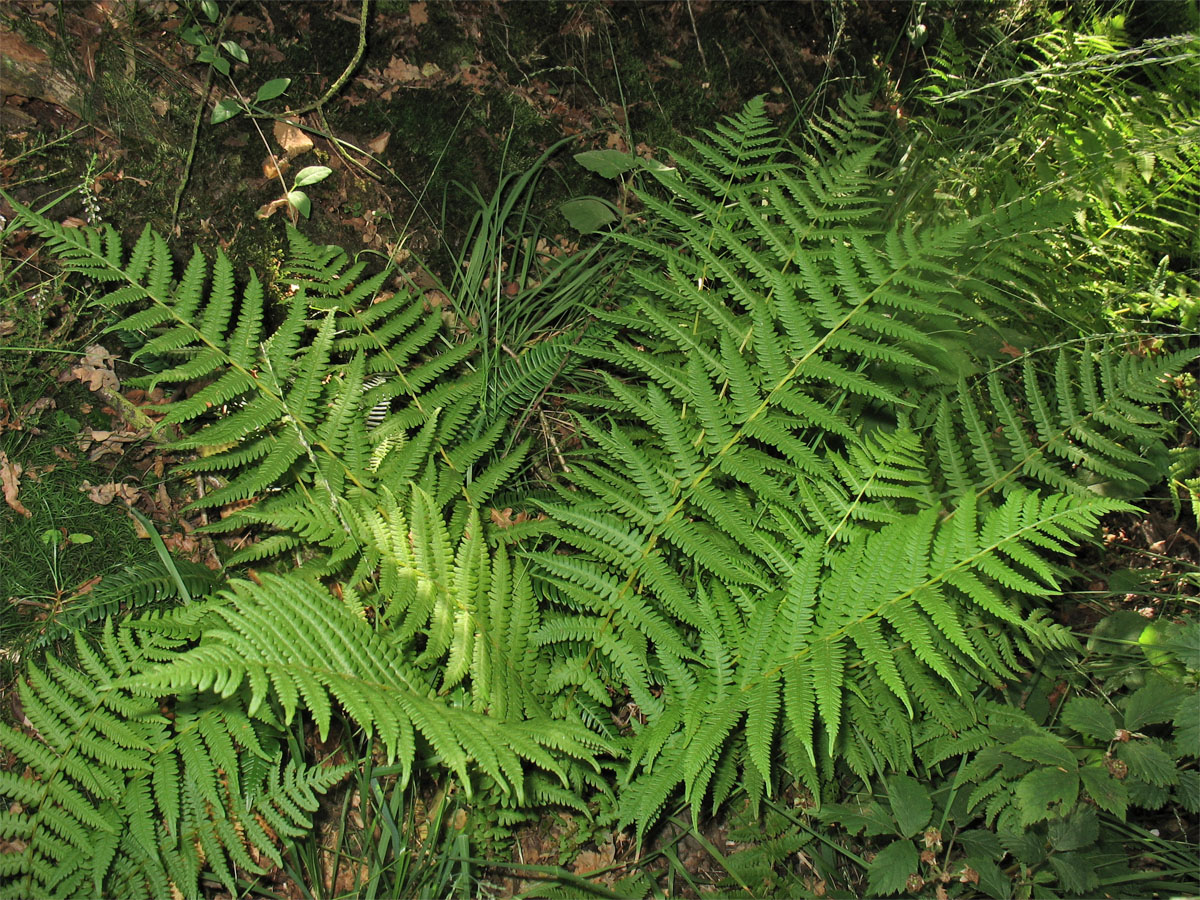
(870, 820)
(889, 871)
(1109, 794)
(1187, 727)
(1027, 846)
(1090, 717)
(1187, 791)
(1076, 871)
(1148, 762)
(1080, 829)
(1037, 791)
(1044, 749)
(911, 804)
(1156, 701)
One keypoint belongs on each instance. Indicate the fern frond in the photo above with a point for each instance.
(116, 797)
(1085, 424)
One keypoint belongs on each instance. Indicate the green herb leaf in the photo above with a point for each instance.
(272, 89)
(607, 163)
(1088, 716)
(312, 175)
(299, 201)
(911, 804)
(588, 215)
(889, 871)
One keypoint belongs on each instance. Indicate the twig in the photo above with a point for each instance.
(553, 443)
(699, 46)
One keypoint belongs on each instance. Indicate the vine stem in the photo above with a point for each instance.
(350, 67)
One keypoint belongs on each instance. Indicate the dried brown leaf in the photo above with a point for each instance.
(399, 70)
(104, 494)
(292, 139)
(10, 480)
(95, 370)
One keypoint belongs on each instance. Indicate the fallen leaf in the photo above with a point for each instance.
(10, 480)
(97, 443)
(268, 209)
(7, 327)
(292, 139)
(243, 24)
(1009, 350)
(273, 167)
(104, 494)
(95, 370)
(160, 106)
(376, 146)
(401, 71)
(86, 586)
(418, 14)
(593, 860)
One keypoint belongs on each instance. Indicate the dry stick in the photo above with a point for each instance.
(187, 166)
(549, 432)
(699, 46)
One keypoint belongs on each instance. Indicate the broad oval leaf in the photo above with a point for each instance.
(225, 110)
(234, 49)
(607, 163)
(272, 89)
(299, 201)
(311, 175)
(588, 214)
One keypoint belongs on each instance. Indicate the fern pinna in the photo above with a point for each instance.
(778, 540)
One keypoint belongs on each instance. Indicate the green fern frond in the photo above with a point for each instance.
(134, 588)
(1086, 423)
(117, 798)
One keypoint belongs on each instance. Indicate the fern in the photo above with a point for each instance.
(809, 520)
(436, 615)
(119, 799)
(762, 551)
(326, 402)
(134, 588)
(1089, 424)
